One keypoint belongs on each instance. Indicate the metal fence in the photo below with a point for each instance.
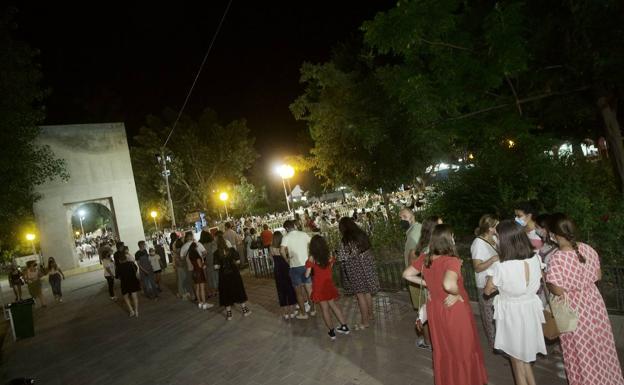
(390, 278)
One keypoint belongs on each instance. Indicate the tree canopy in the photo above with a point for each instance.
(23, 163)
(207, 157)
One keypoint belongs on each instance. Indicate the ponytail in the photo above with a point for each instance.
(564, 227)
(576, 250)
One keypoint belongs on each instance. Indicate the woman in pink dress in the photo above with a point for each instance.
(457, 354)
(589, 353)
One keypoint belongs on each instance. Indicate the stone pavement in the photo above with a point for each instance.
(90, 340)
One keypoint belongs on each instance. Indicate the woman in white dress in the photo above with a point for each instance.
(518, 310)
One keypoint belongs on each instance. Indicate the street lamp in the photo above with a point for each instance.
(81, 216)
(162, 161)
(285, 172)
(154, 214)
(224, 197)
(31, 237)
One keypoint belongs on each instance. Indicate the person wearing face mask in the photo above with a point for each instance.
(549, 246)
(525, 215)
(484, 257)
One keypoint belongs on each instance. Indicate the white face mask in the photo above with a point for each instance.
(521, 221)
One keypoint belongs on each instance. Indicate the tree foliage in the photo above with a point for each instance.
(207, 157)
(23, 163)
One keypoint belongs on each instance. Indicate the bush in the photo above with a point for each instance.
(583, 189)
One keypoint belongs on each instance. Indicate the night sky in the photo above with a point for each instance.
(107, 63)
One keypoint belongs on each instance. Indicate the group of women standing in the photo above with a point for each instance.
(508, 261)
(32, 278)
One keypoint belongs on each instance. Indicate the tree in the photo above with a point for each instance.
(208, 156)
(362, 136)
(246, 198)
(24, 164)
(480, 70)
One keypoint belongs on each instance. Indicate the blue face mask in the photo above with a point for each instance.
(520, 221)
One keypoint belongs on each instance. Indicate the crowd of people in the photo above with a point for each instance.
(521, 265)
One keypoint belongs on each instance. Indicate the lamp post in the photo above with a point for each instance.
(224, 197)
(81, 216)
(285, 172)
(154, 214)
(162, 160)
(31, 237)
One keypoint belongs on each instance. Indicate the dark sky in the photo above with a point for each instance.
(108, 63)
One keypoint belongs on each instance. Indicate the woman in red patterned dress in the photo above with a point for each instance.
(457, 354)
(589, 353)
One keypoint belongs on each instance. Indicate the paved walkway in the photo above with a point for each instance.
(90, 340)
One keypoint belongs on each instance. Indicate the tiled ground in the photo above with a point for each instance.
(90, 340)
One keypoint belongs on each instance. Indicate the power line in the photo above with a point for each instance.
(214, 37)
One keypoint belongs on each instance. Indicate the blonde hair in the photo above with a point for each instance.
(486, 222)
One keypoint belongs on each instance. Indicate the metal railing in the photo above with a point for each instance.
(390, 278)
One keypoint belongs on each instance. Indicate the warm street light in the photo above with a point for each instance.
(154, 214)
(77, 233)
(511, 143)
(285, 172)
(31, 237)
(224, 197)
(81, 216)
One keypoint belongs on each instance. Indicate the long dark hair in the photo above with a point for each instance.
(52, 264)
(441, 243)
(319, 249)
(205, 237)
(564, 227)
(193, 253)
(277, 239)
(221, 245)
(513, 241)
(425, 233)
(351, 233)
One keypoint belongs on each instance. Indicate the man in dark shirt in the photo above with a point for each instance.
(120, 251)
(146, 271)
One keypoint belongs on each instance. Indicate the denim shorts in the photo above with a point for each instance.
(297, 276)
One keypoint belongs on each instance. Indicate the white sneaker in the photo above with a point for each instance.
(313, 313)
(301, 316)
(113, 298)
(307, 307)
(207, 306)
(200, 305)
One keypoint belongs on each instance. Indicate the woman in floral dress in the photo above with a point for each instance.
(589, 353)
(359, 268)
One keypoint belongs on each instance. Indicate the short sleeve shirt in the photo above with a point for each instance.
(412, 238)
(482, 250)
(297, 244)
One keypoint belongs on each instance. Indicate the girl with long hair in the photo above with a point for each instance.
(55, 274)
(199, 277)
(359, 266)
(324, 291)
(518, 309)
(589, 353)
(231, 289)
(457, 354)
(285, 292)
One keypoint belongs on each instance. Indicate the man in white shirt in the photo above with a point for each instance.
(184, 250)
(294, 248)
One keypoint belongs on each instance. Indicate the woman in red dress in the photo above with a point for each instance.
(457, 354)
(323, 290)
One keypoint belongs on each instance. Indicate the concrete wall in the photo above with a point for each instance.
(98, 161)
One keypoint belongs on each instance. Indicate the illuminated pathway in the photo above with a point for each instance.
(90, 340)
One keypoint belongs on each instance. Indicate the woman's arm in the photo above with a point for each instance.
(489, 286)
(414, 276)
(480, 266)
(61, 271)
(449, 283)
(556, 290)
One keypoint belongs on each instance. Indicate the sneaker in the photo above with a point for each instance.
(332, 334)
(286, 317)
(301, 316)
(131, 314)
(228, 315)
(113, 298)
(136, 314)
(293, 315)
(313, 313)
(246, 311)
(200, 305)
(343, 329)
(207, 306)
(306, 306)
(422, 345)
(60, 300)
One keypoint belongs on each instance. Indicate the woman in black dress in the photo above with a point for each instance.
(281, 269)
(127, 273)
(231, 289)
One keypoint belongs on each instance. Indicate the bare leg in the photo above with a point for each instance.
(19, 292)
(528, 372)
(336, 309)
(135, 300)
(326, 314)
(363, 305)
(426, 333)
(299, 291)
(126, 298)
(15, 292)
(518, 371)
(202, 292)
(308, 289)
(369, 303)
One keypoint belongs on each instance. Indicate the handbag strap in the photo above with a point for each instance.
(489, 244)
